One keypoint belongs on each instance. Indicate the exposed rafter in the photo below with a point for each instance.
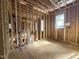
(44, 4)
(39, 4)
(49, 7)
(53, 3)
(24, 2)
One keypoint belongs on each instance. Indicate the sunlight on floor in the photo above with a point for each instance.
(76, 56)
(71, 55)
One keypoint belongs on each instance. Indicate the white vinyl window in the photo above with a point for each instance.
(42, 25)
(59, 21)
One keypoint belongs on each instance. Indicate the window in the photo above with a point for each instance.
(59, 21)
(42, 25)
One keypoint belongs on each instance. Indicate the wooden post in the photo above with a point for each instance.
(77, 26)
(17, 38)
(4, 29)
(44, 27)
(2, 45)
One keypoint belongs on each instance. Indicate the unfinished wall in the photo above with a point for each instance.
(68, 34)
(1, 36)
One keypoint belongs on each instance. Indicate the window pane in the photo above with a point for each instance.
(42, 25)
(59, 21)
